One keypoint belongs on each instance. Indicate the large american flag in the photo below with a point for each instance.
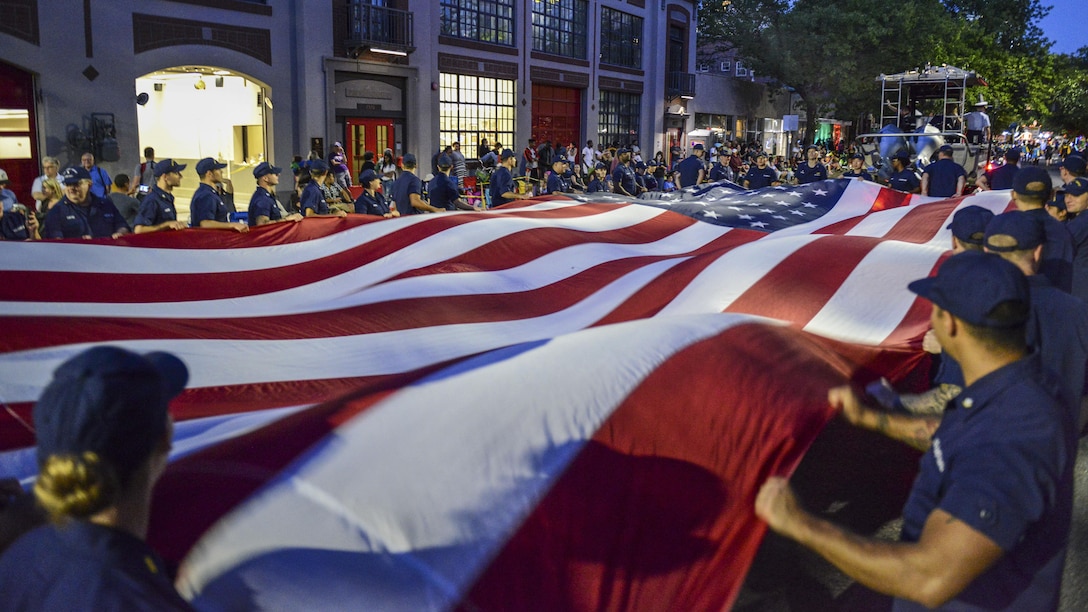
(564, 404)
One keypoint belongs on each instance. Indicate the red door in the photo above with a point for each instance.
(557, 115)
(18, 143)
(374, 135)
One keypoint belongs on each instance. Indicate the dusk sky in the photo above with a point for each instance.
(1065, 25)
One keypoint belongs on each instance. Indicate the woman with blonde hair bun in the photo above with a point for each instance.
(104, 434)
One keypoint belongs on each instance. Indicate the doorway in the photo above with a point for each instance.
(18, 129)
(374, 135)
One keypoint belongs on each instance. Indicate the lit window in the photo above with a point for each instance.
(621, 38)
(620, 117)
(473, 108)
(490, 21)
(559, 27)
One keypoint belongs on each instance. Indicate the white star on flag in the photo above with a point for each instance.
(758, 224)
(710, 213)
(820, 192)
(808, 205)
(745, 217)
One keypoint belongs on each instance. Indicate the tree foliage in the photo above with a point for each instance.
(1069, 105)
(830, 52)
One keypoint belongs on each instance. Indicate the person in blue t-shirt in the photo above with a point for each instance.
(207, 208)
(312, 201)
(501, 187)
(157, 212)
(986, 525)
(18, 224)
(407, 190)
(691, 170)
(263, 207)
(903, 177)
(944, 178)
(371, 201)
(811, 170)
(1001, 176)
(104, 434)
(857, 168)
(557, 178)
(760, 175)
(442, 189)
(79, 214)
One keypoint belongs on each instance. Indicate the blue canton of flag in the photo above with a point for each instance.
(769, 209)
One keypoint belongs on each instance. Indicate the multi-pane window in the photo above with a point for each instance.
(490, 21)
(621, 38)
(559, 27)
(620, 117)
(472, 108)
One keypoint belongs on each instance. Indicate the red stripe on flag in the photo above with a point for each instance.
(808, 276)
(657, 510)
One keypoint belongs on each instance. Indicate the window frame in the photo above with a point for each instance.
(621, 38)
(556, 20)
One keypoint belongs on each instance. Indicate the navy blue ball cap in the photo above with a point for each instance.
(265, 168)
(1013, 154)
(969, 224)
(74, 174)
(1074, 163)
(1077, 186)
(902, 154)
(858, 156)
(444, 161)
(319, 166)
(367, 176)
(698, 146)
(409, 159)
(946, 149)
(109, 401)
(1033, 181)
(208, 164)
(971, 284)
(601, 166)
(640, 166)
(1014, 231)
(507, 154)
(167, 166)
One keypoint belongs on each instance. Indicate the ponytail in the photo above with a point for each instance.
(75, 486)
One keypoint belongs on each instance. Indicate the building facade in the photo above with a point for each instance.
(250, 80)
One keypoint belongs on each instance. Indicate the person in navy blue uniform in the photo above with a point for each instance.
(79, 214)
(986, 525)
(649, 179)
(407, 190)
(103, 437)
(557, 178)
(903, 177)
(692, 170)
(811, 170)
(857, 168)
(263, 207)
(1075, 203)
(623, 177)
(207, 208)
(501, 188)
(760, 175)
(1001, 176)
(720, 170)
(312, 202)
(157, 212)
(442, 189)
(371, 201)
(1058, 325)
(944, 178)
(18, 224)
(600, 180)
(1031, 189)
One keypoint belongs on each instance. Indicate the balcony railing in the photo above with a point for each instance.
(680, 84)
(379, 29)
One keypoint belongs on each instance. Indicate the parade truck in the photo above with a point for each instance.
(921, 110)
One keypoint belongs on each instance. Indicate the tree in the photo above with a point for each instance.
(828, 52)
(831, 51)
(1069, 108)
